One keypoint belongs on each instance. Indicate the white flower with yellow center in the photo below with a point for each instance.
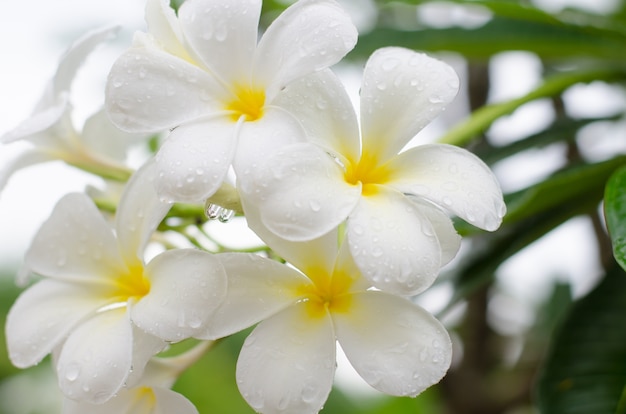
(202, 73)
(100, 308)
(287, 363)
(396, 203)
(148, 393)
(49, 133)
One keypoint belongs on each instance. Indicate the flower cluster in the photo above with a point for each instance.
(263, 129)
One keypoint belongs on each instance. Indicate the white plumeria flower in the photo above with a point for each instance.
(396, 204)
(50, 134)
(101, 310)
(203, 73)
(150, 393)
(287, 363)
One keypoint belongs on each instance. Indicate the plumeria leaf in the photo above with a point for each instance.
(514, 27)
(481, 119)
(615, 213)
(585, 371)
(578, 181)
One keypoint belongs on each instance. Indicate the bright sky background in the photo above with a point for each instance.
(36, 32)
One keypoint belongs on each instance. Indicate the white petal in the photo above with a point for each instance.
(452, 178)
(301, 193)
(140, 400)
(186, 286)
(312, 255)
(449, 239)
(24, 159)
(145, 346)
(320, 102)
(402, 91)
(164, 26)
(75, 243)
(105, 139)
(223, 35)
(74, 57)
(287, 363)
(97, 357)
(258, 140)
(396, 346)
(310, 35)
(257, 289)
(139, 213)
(42, 121)
(194, 160)
(393, 243)
(44, 314)
(149, 90)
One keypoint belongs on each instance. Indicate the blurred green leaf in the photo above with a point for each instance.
(615, 213)
(563, 188)
(514, 26)
(482, 118)
(533, 212)
(585, 371)
(561, 130)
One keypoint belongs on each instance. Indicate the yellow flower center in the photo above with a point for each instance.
(330, 293)
(133, 284)
(368, 173)
(248, 103)
(144, 400)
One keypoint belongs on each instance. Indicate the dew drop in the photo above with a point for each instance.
(315, 205)
(72, 373)
(390, 64)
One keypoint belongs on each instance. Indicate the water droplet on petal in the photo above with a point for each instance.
(72, 373)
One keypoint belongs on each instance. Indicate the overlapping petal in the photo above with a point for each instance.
(302, 194)
(395, 345)
(321, 104)
(139, 213)
(402, 91)
(73, 59)
(149, 90)
(40, 121)
(299, 254)
(310, 35)
(287, 363)
(97, 357)
(186, 286)
(101, 137)
(43, 315)
(223, 35)
(393, 243)
(257, 289)
(195, 158)
(449, 240)
(164, 26)
(452, 178)
(258, 140)
(75, 244)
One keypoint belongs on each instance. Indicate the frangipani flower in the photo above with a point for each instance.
(150, 393)
(287, 363)
(396, 204)
(100, 146)
(99, 308)
(202, 73)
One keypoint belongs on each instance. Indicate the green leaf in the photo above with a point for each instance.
(585, 369)
(482, 118)
(513, 26)
(615, 213)
(563, 188)
(561, 130)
